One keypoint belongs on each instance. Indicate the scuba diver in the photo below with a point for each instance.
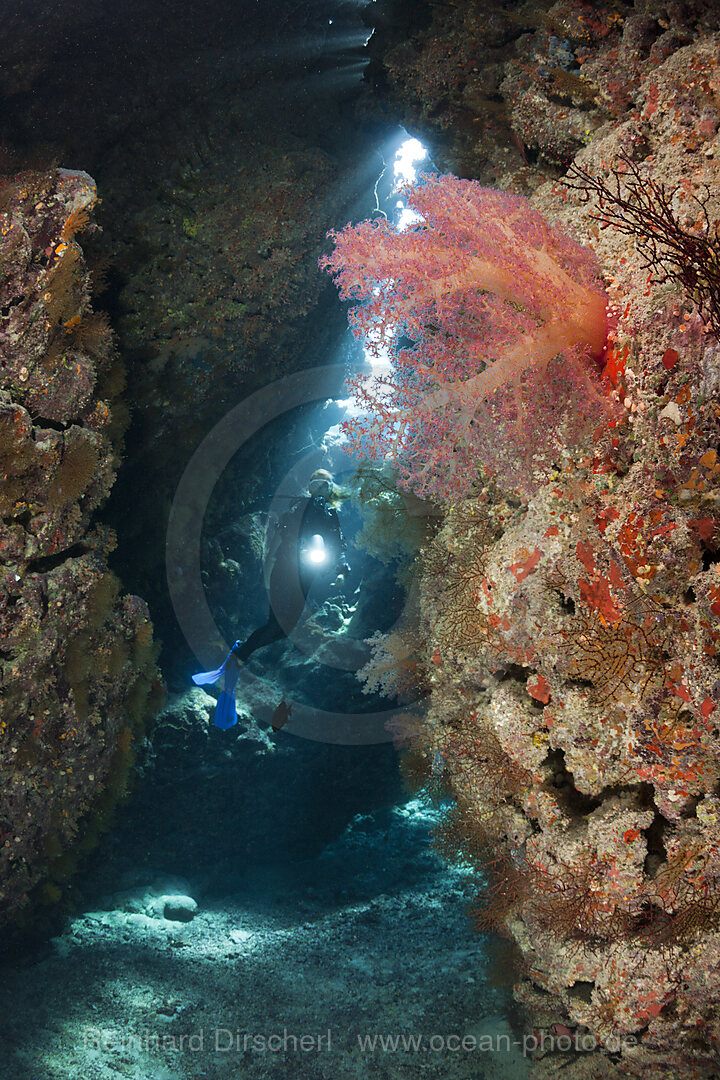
(308, 546)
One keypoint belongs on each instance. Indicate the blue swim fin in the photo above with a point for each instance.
(205, 677)
(225, 710)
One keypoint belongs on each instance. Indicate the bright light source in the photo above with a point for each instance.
(410, 151)
(407, 217)
(315, 551)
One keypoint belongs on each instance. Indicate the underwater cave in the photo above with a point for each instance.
(358, 637)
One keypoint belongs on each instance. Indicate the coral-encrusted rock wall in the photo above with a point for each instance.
(76, 656)
(503, 91)
(572, 639)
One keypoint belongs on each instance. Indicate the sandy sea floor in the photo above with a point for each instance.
(284, 975)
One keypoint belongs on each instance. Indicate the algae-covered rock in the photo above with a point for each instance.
(77, 661)
(572, 636)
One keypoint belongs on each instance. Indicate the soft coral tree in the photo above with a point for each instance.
(490, 317)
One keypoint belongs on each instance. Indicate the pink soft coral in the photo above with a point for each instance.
(490, 317)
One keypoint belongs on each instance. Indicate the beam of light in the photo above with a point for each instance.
(409, 153)
(335, 42)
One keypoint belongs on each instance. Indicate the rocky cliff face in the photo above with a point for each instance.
(76, 655)
(572, 637)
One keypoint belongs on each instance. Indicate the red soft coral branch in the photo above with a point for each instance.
(466, 301)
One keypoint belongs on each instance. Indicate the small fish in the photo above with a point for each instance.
(226, 709)
(281, 716)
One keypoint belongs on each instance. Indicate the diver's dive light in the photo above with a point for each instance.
(315, 552)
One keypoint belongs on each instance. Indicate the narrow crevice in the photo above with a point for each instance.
(581, 991)
(567, 604)
(22, 519)
(7, 308)
(689, 810)
(709, 558)
(46, 563)
(52, 425)
(514, 673)
(580, 684)
(562, 784)
(656, 852)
